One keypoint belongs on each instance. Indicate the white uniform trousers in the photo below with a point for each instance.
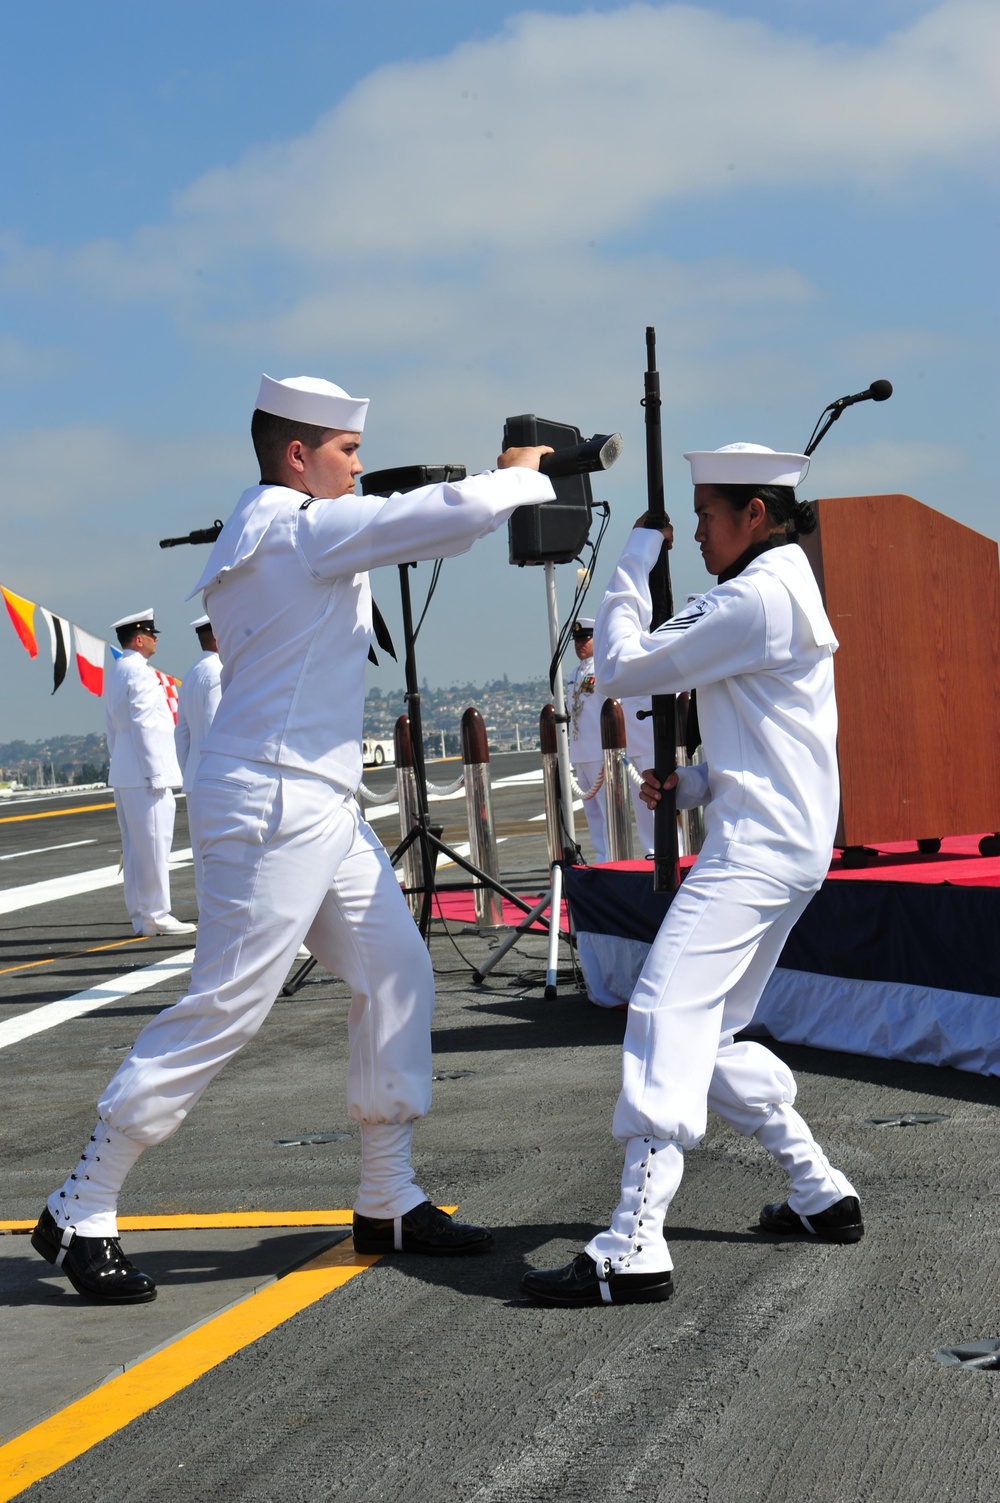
(586, 774)
(146, 822)
(700, 985)
(199, 869)
(286, 858)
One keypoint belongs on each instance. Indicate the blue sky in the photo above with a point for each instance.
(466, 211)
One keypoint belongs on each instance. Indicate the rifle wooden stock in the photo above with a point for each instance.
(664, 705)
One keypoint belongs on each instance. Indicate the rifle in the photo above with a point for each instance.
(664, 706)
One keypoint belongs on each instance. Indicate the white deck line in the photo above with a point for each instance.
(14, 1030)
(13, 899)
(40, 850)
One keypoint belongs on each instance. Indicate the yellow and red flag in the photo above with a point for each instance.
(22, 614)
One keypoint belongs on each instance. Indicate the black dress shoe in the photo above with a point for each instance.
(95, 1266)
(581, 1283)
(840, 1222)
(425, 1229)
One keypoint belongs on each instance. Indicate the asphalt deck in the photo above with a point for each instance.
(781, 1370)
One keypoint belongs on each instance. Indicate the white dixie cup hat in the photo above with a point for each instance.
(746, 464)
(307, 399)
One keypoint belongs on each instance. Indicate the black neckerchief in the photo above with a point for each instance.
(776, 540)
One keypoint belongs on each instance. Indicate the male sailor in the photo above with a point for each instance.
(287, 856)
(759, 649)
(143, 772)
(197, 702)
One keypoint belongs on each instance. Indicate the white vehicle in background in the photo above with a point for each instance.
(377, 753)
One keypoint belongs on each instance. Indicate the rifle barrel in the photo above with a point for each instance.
(664, 706)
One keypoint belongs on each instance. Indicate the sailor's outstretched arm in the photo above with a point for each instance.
(713, 637)
(348, 535)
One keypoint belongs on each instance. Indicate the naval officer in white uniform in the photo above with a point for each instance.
(759, 649)
(197, 702)
(143, 773)
(287, 856)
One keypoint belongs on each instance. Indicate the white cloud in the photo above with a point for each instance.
(564, 128)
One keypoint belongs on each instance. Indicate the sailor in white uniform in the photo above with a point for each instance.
(583, 705)
(287, 856)
(759, 650)
(143, 772)
(197, 702)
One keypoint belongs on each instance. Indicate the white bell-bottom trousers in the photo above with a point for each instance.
(287, 858)
(146, 822)
(700, 985)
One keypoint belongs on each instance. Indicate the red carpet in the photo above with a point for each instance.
(958, 862)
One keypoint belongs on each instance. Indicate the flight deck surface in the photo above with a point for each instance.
(277, 1365)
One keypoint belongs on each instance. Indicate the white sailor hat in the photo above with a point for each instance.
(307, 399)
(200, 622)
(745, 464)
(583, 626)
(137, 621)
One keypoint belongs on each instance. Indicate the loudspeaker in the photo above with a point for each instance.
(554, 532)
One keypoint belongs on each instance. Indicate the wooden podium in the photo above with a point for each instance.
(914, 598)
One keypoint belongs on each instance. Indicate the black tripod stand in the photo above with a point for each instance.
(422, 832)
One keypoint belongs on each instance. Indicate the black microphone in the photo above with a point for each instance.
(879, 391)
(597, 453)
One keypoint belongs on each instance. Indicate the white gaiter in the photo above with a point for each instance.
(88, 1200)
(634, 1242)
(387, 1184)
(814, 1183)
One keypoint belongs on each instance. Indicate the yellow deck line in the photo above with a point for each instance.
(13, 819)
(195, 1222)
(29, 965)
(201, 1222)
(46, 1447)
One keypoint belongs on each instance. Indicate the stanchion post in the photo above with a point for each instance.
(550, 780)
(569, 850)
(409, 811)
(617, 803)
(479, 809)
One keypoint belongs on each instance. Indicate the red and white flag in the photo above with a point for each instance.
(170, 687)
(90, 659)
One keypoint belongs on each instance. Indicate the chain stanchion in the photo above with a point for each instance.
(617, 801)
(409, 812)
(479, 809)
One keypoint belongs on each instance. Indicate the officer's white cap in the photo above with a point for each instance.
(138, 619)
(584, 623)
(307, 399)
(745, 464)
(201, 621)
